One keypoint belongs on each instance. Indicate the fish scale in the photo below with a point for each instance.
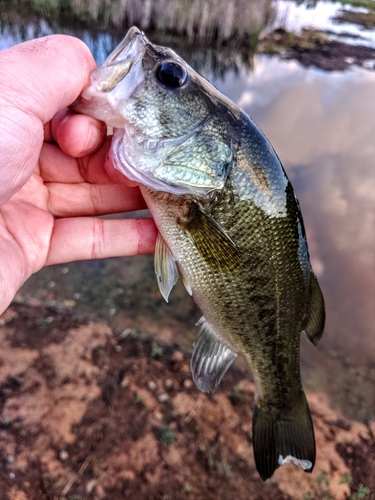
(229, 224)
(248, 308)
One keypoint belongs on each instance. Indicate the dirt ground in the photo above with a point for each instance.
(86, 414)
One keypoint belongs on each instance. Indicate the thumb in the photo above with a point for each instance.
(37, 79)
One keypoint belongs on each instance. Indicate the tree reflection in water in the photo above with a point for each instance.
(213, 36)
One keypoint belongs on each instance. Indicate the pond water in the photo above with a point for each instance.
(294, 16)
(322, 126)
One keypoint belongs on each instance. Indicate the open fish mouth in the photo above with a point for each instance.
(130, 46)
(114, 81)
(119, 63)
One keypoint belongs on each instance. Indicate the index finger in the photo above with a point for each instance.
(77, 135)
(97, 168)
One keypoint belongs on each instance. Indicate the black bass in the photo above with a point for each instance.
(229, 224)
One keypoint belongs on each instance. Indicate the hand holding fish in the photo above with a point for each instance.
(54, 181)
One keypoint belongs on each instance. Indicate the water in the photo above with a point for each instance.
(295, 16)
(322, 127)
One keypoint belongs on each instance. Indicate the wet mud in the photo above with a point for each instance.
(316, 49)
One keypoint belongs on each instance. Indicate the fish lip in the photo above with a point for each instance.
(125, 55)
(128, 52)
(129, 47)
(101, 92)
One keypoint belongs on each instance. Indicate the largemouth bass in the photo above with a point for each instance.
(229, 224)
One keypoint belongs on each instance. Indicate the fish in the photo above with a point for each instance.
(229, 224)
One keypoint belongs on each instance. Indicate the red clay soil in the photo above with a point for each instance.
(87, 415)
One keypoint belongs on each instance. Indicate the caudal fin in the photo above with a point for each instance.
(280, 438)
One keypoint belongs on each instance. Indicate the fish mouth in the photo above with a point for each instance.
(133, 43)
(107, 84)
(119, 62)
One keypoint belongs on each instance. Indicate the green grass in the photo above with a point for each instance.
(367, 4)
(321, 491)
(362, 493)
(166, 435)
(215, 465)
(138, 400)
(156, 351)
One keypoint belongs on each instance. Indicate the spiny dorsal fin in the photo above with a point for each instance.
(213, 243)
(313, 324)
(210, 360)
(165, 268)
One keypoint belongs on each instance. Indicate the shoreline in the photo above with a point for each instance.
(316, 48)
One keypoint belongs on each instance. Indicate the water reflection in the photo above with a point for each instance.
(212, 40)
(207, 23)
(216, 61)
(322, 126)
(16, 29)
(294, 15)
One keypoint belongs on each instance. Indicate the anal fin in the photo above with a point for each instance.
(210, 360)
(165, 268)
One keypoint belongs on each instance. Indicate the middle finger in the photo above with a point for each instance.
(82, 199)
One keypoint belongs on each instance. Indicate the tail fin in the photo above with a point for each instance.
(280, 438)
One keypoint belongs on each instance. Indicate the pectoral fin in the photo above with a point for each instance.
(314, 322)
(212, 242)
(210, 360)
(165, 268)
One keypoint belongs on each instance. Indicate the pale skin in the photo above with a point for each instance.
(55, 173)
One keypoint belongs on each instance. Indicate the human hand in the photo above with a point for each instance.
(56, 177)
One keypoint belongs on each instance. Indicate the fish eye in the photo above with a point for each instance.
(171, 74)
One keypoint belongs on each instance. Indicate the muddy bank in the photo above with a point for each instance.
(87, 414)
(315, 48)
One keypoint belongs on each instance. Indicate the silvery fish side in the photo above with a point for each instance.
(229, 224)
